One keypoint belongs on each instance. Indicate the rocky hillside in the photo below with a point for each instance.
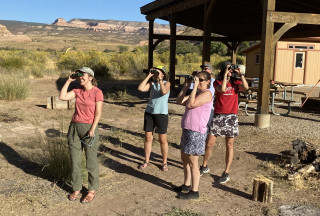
(6, 35)
(113, 26)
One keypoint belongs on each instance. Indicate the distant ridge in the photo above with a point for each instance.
(114, 25)
(16, 23)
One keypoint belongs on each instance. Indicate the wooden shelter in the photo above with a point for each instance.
(296, 61)
(236, 21)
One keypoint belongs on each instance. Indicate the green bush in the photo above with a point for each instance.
(12, 60)
(56, 161)
(13, 86)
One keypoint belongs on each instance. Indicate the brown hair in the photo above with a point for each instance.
(94, 82)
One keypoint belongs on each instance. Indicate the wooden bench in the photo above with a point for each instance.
(287, 101)
(247, 102)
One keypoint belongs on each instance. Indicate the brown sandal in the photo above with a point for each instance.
(89, 197)
(73, 196)
(165, 167)
(143, 166)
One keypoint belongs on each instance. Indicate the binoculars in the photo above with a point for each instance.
(153, 71)
(75, 75)
(233, 66)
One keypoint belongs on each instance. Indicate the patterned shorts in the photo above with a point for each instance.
(192, 142)
(224, 125)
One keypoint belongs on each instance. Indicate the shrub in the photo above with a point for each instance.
(56, 161)
(13, 86)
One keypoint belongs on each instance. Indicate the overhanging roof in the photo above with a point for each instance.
(238, 20)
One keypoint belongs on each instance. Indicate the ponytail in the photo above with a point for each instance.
(94, 82)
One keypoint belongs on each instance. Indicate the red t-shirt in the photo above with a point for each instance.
(85, 106)
(227, 102)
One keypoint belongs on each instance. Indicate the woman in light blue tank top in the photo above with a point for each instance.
(156, 114)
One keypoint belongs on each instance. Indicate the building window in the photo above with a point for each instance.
(258, 58)
(299, 60)
(300, 47)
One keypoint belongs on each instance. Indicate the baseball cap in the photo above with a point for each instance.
(162, 68)
(206, 65)
(86, 70)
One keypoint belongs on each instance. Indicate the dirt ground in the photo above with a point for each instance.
(124, 189)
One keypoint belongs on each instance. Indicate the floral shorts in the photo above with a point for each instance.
(224, 125)
(192, 142)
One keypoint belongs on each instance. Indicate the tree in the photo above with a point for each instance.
(122, 48)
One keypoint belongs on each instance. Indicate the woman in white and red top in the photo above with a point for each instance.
(225, 119)
(194, 124)
(83, 131)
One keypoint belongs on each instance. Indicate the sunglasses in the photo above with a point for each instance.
(201, 80)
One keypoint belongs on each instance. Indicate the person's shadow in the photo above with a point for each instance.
(228, 189)
(122, 168)
(28, 166)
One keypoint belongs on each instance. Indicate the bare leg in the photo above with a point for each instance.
(195, 172)
(164, 147)
(147, 147)
(229, 152)
(209, 145)
(186, 169)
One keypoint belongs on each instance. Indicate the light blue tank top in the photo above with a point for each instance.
(158, 103)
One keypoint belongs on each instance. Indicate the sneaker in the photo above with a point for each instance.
(204, 169)
(224, 178)
(182, 188)
(190, 195)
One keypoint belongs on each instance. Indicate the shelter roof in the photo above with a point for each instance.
(237, 20)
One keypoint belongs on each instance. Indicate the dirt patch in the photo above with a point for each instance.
(125, 190)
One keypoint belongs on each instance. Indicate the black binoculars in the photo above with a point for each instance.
(190, 77)
(233, 66)
(153, 71)
(75, 75)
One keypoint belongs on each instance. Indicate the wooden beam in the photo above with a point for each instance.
(181, 6)
(173, 40)
(234, 49)
(191, 38)
(286, 17)
(150, 48)
(207, 29)
(156, 43)
(266, 51)
(281, 31)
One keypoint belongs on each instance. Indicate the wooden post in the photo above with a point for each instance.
(173, 42)
(262, 118)
(49, 102)
(207, 29)
(262, 189)
(151, 47)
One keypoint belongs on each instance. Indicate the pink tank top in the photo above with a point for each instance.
(196, 119)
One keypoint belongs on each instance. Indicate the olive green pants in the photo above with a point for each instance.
(76, 133)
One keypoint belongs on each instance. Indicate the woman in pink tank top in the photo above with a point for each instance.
(194, 124)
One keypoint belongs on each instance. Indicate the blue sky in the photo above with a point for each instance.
(47, 11)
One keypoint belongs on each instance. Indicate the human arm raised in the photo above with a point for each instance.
(244, 85)
(164, 87)
(64, 94)
(195, 101)
(223, 87)
(181, 98)
(144, 85)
